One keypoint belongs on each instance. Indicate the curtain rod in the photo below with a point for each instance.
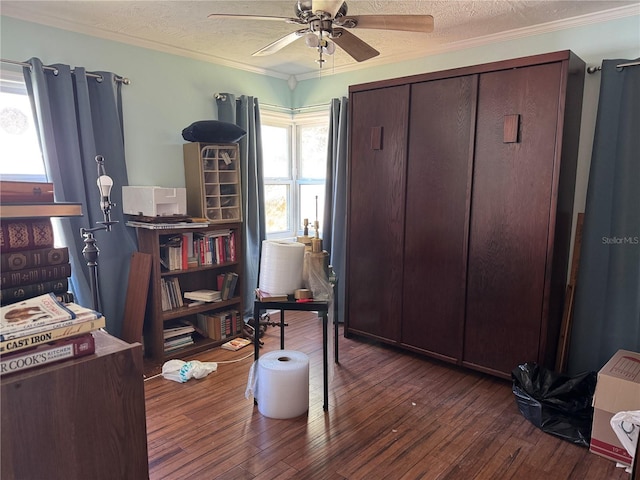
(122, 80)
(622, 65)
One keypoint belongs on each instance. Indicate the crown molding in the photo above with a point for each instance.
(14, 11)
(549, 27)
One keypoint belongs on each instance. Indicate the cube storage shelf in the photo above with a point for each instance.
(212, 174)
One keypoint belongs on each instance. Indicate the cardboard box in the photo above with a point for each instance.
(617, 390)
(154, 201)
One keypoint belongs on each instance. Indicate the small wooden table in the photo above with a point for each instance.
(322, 307)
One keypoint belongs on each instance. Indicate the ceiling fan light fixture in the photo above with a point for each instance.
(329, 48)
(311, 40)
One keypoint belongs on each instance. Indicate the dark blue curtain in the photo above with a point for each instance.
(335, 207)
(79, 117)
(607, 304)
(245, 112)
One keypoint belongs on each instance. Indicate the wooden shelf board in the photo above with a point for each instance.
(33, 210)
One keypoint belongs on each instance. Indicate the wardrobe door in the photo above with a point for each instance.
(378, 139)
(510, 213)
(436, 226)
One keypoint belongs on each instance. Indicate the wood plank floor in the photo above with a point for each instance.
(392, 415)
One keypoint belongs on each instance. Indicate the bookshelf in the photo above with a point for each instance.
(193, 277)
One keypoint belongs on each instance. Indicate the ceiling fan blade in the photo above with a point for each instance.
(330, 6)
(358, 49)
(280, 43)
(406, 23)
(254, 17)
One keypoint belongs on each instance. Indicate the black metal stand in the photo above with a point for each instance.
(90, 253)
(322, 307)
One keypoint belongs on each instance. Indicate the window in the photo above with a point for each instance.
(295, 162)
(20, 155)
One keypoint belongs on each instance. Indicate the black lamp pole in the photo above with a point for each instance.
(91, 251)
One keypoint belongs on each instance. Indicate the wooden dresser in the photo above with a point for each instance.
(77, 419)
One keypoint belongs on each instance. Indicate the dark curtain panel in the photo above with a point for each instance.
(335, 208)
(77, 118)
(607, 305)
(245, 112)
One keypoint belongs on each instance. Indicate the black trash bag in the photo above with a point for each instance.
(557, 404)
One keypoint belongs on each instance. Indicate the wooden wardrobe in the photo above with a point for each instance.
(460, 204)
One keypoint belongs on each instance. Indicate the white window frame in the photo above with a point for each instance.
(294, 122)
(12, 82)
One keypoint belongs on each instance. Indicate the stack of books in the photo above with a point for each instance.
(30, 263)
(214, 247)
(177, 336)
(42, 330)
(171, 293)
(220, 325)
(204, 295)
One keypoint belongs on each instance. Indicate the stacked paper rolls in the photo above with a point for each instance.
(281, 267)
(282, 389)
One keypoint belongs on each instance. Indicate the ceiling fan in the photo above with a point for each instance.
(325, 25)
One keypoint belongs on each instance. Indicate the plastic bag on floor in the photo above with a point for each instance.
(180, 371)
(626, 426)
(557, 404)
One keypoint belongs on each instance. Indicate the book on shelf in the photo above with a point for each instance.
(29, 276)
(11, 295)
(42, 210)
(177, 343)
(193, 303)
(270, 297)
(171, 252)
(55, 351)
(236, 344)
(204, 295)
(38, 313)
(172, 332)
(40, 257)
(171, 293)
(213, 247)
(25, 233)
(46, 335)
(229, 285)
(166, 226)
(219, 325)
(26, 192)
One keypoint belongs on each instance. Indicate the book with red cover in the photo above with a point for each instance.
(25, 234)
(34, 275)
(48, 353)
(48, 334)
(38, 257)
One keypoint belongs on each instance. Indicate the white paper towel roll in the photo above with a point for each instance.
(281, 267)
(282, 389)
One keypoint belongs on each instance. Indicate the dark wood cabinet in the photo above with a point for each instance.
(437, 199)
(460, 209)
(378, 166)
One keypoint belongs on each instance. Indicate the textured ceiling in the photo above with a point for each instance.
(182, 27)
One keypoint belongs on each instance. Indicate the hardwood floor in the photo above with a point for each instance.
(392, 415)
